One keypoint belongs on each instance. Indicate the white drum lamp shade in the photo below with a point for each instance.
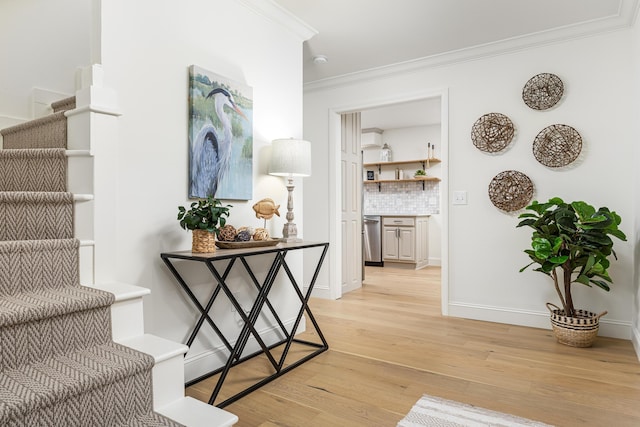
(290, 157)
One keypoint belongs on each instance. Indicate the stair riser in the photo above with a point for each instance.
(29, 266)
(35, 216)
(127, 319)
(168, 381)
(33, 170)
(34, 341)
(48, 132)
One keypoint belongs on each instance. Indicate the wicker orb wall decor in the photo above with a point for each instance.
(557, 146)
(542, 91)
(510, 190)
(492, 132)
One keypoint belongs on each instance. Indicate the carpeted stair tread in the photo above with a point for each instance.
(30, 265)
(27, 307)
(29, 215)
(45, 132)
(114, 380)
(64, 104)
(33, 170)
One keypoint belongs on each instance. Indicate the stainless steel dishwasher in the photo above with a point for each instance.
(372, 240)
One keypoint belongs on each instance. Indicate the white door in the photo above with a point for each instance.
(351, 224)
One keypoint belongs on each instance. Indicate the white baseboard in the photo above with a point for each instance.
(435, 262)
(635, 338)
(202, 363)
(534, 319)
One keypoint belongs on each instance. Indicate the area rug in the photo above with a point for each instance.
(435, 412)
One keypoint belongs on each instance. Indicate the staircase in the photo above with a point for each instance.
(73, 355)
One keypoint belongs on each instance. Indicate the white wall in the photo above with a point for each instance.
(635, 128)
(147, 47)
(42, 44)
(485, 248)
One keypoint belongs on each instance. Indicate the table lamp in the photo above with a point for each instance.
(290, 157)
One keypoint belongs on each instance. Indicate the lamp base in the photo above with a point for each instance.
(290, 233)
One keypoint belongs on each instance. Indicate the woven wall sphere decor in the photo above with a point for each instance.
(492, 132)
(542, 91)
(510, 190)
(557, 145)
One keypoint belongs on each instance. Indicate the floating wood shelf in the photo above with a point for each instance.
(429, 178)
(383, 181)
(423, 162)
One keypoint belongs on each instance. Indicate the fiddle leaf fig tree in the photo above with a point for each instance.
(571, 241)
(206, 214)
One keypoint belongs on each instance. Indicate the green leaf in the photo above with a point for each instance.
(559, 260)
(526, 222)
(542, 247)
(526, 266)
(528, 215)
(619, 234)
(601, 284)
(557, 244)
(582, 279)
(583, 210)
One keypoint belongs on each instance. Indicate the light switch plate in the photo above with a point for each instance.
(459, 197)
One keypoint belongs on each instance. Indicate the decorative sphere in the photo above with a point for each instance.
(227, 233)
(261, 234)
(243, 236)
(247, 228)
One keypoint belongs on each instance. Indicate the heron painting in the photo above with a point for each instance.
(220, 137)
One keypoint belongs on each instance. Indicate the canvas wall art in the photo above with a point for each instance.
(220, 137)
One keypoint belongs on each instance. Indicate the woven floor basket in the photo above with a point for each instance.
(578, 331)
(203, 241)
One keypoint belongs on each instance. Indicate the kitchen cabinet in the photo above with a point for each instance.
(405, 239)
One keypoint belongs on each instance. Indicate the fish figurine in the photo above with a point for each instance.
(265, 208)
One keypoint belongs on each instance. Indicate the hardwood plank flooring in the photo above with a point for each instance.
(389, 345)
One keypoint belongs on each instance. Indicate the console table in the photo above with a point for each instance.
(260, 303)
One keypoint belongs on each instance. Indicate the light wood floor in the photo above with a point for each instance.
(389, 346)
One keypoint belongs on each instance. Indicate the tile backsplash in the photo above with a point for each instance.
(402, 198)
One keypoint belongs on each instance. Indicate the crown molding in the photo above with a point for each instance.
(624, 19)
(281, 16)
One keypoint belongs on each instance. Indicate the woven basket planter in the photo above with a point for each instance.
(578, 331)
(203, 241)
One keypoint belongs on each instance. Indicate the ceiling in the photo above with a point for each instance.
(369, 35)
(358, 35)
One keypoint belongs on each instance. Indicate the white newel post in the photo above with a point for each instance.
(92, 146)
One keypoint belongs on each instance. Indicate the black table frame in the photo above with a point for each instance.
(235, 351)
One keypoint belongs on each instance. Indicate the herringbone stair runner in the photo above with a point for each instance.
(58, 363)
(30, 215)
(37, 169)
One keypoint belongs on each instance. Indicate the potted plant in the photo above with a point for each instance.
(420, 173)
(571, 243)
(205, 218)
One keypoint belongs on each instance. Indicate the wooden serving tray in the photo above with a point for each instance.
(248, 244)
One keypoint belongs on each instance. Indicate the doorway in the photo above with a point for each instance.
(335, 180)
